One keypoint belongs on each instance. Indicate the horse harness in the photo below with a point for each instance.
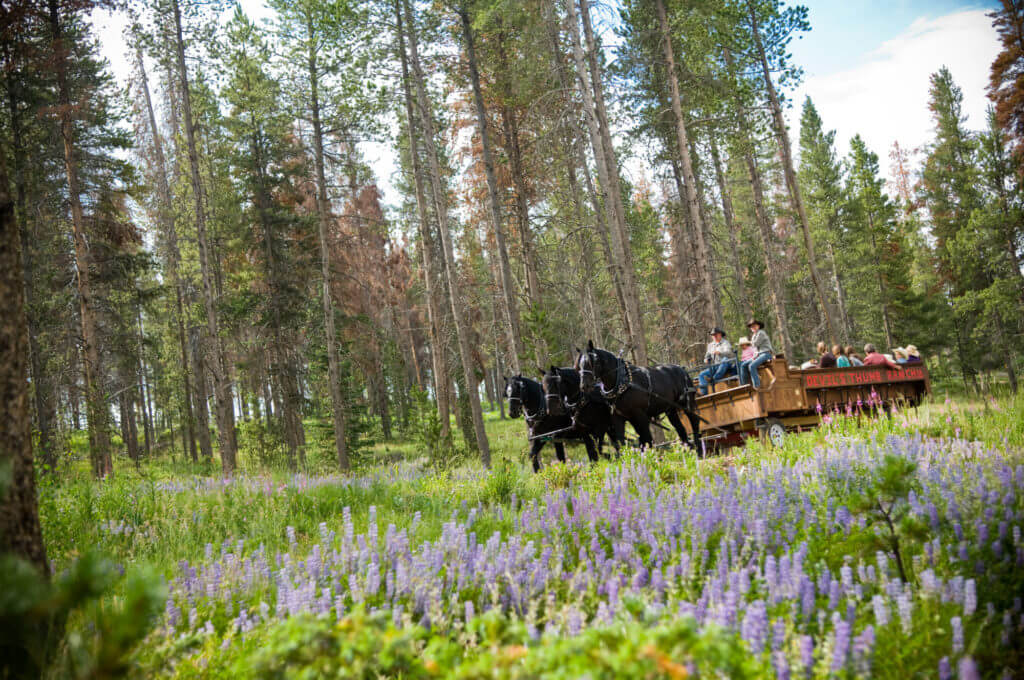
(624, 381)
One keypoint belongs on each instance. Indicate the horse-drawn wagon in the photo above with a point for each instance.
(794, 399)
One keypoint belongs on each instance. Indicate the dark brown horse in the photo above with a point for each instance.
(641, 394)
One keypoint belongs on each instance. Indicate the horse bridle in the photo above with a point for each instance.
(623, 377)
(522, 404)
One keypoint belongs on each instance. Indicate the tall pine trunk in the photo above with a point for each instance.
(789, 171)
(510, 306)
(703, 252)
(608, 173)
(226, 437)
(431, 276)
(733, 230)
(20, 532)
(778, 298)
(462, 328)
(323, 207)
(170, 230)
(575, 162)
(98, 413)
(42, 382)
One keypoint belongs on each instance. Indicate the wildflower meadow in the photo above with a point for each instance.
(865, 548)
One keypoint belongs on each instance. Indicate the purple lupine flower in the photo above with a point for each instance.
(807, 653)
(945, 670)
(781, 666)
(970, 597)
(863, 645)
(967, 669)
(881, 610)
(905, 607)
(956, 625)
(754, 628)
(841, 646)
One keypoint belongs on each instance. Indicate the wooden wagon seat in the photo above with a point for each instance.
(766, 367)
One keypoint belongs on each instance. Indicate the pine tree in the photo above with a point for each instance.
(1005, 82)
(264, 165)
(879, 255)
(949, 190)
(821, 177)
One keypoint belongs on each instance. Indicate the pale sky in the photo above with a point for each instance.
(866, 65)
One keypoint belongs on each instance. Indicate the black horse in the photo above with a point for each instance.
(526, 398)
(588, 411)
(640, 394)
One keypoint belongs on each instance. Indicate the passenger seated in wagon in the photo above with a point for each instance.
(913, 355)
(842, 357)
(874, 358)
(720, 358)
(747, 351)
(763, 349)
(854, 357)
(826, 359)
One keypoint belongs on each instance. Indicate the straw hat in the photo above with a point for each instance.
(744, 341)
(912, 351)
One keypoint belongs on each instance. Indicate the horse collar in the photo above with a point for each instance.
(623, 379)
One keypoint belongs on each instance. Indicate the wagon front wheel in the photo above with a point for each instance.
(774, 431)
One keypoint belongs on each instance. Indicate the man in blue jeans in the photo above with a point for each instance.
(763, 346)
(720, 360)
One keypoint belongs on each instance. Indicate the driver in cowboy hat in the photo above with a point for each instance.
(720, 359)
(762, 347)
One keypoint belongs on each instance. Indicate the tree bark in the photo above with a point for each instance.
(608, 173)
(201, 393)
(98, 413)
(511, 306)
(883, 298)
(778, 299)
(226, 437)
(42, 382)
(431, 276)
(703, 254)
(733, 231)
(20, 533)
(173, 257)
(575, 160)
(789, 172)
(323, 212)
(457, 302)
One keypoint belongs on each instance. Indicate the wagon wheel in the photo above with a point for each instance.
(774, 431)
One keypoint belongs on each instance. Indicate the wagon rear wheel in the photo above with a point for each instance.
(773, 431)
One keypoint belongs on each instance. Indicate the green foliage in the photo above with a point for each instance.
(879, 495)
(370, 646)
(65, 629)
(504, 483)
(424, 428)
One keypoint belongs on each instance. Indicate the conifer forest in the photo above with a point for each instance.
(336, 338)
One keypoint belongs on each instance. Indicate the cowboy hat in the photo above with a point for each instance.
(718, 330)
(744, 341)
(912, 351)
(753, 321)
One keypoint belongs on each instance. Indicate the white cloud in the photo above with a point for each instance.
(885, 98)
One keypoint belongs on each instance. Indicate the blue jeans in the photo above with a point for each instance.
(714, 373)
(748, 369)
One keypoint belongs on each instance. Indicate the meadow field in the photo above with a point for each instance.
(882, 549)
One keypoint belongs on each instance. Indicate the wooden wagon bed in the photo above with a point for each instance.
(789, 398)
